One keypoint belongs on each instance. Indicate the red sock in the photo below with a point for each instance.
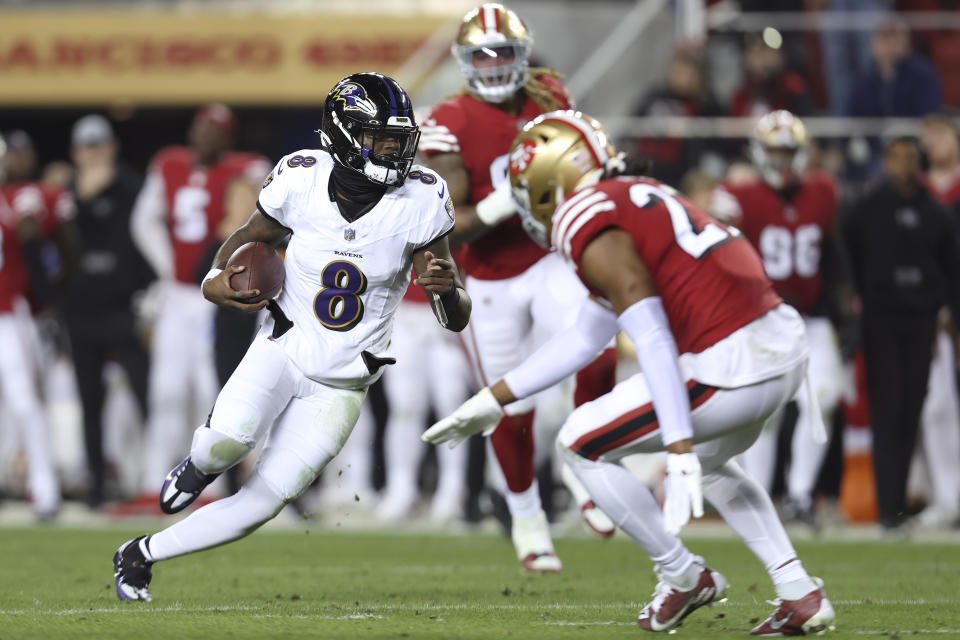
(513, 444)
(597, 378)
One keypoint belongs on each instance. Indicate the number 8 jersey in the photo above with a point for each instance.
(344, 280)
(710, 279)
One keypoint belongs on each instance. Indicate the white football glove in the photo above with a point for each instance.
(684, 494)
(497, 206)
(479, 414)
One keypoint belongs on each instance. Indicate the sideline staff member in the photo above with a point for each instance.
(903, 249)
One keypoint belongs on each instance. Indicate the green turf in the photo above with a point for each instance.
(57, 583)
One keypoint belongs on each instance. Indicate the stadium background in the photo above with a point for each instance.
(147, 66)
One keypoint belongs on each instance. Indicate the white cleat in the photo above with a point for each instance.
(531, 538)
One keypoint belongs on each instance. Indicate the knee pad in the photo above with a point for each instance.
(215, 452)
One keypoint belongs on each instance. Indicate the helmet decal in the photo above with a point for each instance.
(354, 98)
(521, 156)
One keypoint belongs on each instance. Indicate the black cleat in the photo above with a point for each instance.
(131, 571)
(182, 486)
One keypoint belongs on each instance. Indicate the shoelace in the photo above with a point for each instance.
(660, 593)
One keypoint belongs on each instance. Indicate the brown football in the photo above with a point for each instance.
(264, 270)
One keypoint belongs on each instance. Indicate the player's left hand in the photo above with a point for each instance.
(440, 277)
(479, 414)
(684, 493)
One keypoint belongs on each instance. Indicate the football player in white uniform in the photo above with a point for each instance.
(359, 215)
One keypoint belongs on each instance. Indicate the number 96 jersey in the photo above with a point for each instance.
(710, 279)
(344, 280)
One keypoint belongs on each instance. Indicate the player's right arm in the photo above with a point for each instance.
(216, 286)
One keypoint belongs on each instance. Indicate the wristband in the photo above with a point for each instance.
(213, 273)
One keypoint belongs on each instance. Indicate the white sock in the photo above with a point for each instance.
(219, 522)
(525, 504)
(679, 567)
(627, 501)
(747, 508)
(806, 456)
(792, 581)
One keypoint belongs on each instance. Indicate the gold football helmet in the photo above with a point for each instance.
(552, 156)
(780, 148)
(493, 49)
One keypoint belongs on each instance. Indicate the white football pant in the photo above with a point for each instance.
(183, 380)
(431, 371)
(940, 427)
(806, 456)
(308, 424)
(511, 318)
(20, 394)
(725, 422)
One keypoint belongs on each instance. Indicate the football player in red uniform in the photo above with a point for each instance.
(524, 295)
(23, 211)
(174, 221)
(940, 420)
(719, 349)
(789, 215)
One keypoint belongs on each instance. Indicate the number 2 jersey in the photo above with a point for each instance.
(344, 280)
(708, 276)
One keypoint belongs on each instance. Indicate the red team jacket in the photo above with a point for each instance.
(789, 235)
(193, 197)
(482, 135)
(710, 279)
(50, 206)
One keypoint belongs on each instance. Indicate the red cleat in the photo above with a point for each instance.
(811, 614)
(596, 520)
(670, 606)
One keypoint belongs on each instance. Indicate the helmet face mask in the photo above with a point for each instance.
(369, 128)
(780, 148)
(555, 154)
(493, 50)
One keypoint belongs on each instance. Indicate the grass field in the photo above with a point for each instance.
(57, 583)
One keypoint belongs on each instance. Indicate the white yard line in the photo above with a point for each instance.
(430, 606)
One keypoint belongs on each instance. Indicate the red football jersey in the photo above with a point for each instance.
(949, 196)
(482, 135)
(710, 279)
(194, 200)
(16, 202)
(789, 235)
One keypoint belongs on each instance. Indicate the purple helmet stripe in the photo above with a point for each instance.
(393, 99)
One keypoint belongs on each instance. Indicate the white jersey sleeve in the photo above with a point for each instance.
(287, 185)
(438, 216)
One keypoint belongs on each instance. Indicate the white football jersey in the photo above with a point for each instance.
(344, 280)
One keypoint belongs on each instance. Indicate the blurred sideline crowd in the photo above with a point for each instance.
(110, 356)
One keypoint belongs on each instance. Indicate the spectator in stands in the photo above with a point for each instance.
(98, 308)
(903, 250)
(686, 94)
(769, 85)
(900, 83)
(846, 52)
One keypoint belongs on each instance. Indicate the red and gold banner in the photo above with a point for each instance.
(149, 57)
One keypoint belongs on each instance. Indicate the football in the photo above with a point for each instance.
(264, 270)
